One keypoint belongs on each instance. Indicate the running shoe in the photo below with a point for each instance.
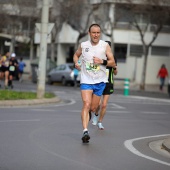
(95, 120)
(86, 137)
(100, 126)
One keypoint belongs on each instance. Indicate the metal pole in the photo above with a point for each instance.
(43, 50)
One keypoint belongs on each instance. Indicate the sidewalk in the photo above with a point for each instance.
(166, 144)
(119, 84)
(15, 103)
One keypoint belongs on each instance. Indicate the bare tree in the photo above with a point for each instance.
(18, 21)
(54, 18)
(77, 14)
(155, 12)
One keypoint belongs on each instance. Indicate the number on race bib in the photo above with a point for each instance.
(11, 68)
(92, 67)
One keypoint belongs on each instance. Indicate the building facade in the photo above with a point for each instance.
(128, 47)
(112, 15)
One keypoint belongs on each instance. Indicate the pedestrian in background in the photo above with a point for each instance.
(0, 71)
(13, 64)
(5, 68)
(76, 73)
(162, 74)
(21, 66)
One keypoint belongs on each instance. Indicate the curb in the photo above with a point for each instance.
(166, 144)
(15, 103)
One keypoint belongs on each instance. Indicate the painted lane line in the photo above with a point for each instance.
(118, 111)
(71, 102)
(129, 145)
(33, 120)
(150, 98)
(154, 113)
(64, 104)
(117, 106)
(141, 102)
(109, 111)
(43, 110)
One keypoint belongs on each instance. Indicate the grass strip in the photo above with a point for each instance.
(14, 95)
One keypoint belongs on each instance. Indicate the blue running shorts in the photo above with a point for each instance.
(97, 88)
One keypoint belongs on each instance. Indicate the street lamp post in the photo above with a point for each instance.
(43, 50)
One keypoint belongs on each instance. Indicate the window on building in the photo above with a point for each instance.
(160, 51)
(136, 50)
(120, 52)
(70, 54)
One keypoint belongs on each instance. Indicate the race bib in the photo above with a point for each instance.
(107, 73)
(92, 67)
(12, 68)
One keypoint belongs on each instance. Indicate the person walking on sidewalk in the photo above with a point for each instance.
(21, 66)
(96, 54)
(162, 74)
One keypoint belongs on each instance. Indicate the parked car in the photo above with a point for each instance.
(35, 65)
(62, 73)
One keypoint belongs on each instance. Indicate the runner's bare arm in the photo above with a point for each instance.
(76, 56)
(110, 57)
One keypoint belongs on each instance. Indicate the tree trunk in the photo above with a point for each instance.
(142, 85)
(52, 51)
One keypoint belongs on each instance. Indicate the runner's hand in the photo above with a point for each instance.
(97, 60)
(77, 66)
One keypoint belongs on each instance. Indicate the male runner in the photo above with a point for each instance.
(93, 73)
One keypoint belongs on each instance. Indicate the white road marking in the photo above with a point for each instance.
(143, 102)
(59, 104)
(31, 120)
(117, 106)
(44, 110)
(150, 98)
(129, 145)
(154, 113)
(64, 104)
(120, 111)
(117, 111)
(109, 111)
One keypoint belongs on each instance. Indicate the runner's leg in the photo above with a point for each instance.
(103, 107)
(87, 99)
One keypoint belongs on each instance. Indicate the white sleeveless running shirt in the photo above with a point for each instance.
(93, 73)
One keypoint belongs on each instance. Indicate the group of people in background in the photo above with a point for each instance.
(10, 68)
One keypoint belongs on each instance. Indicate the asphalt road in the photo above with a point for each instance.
(49, 136)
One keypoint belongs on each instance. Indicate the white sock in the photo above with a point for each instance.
(85, 130)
